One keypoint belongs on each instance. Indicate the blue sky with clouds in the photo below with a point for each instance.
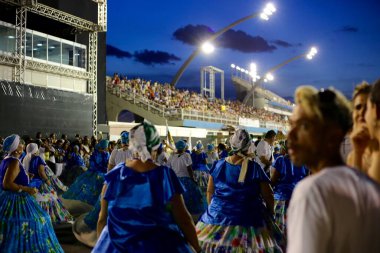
(152, 39)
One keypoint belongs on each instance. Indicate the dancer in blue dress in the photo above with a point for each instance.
(201, 170)
(142, 209)
(24, 226)
(284, 177)
(84, 227)
(75, 166)
(47, 196)
(181, 163)
(237, 219)
(82, 195)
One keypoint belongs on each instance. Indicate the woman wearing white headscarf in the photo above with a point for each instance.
(24, 225)
(142, 209)
(237, 219)
(47, 197)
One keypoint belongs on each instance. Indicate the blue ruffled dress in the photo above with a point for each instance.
(290, 175)
(201, 170)
(88, 186)
(47, 196)
(236, 219)
(24, 225)
(139, 217)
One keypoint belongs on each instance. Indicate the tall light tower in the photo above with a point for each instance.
(269, 74)
(265, 14)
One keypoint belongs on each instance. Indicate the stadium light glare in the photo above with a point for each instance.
(208, 48)
(313, 51)
(269, 77)
(268, 11)
(237, 68)
(233, 66)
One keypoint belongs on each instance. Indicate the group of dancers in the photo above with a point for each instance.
(138, 200)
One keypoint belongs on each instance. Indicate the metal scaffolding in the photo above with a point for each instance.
(93, 70)
(18, 60)
(208, 88)
(20, 44)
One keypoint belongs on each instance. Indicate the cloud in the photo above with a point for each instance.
(114, 51)
(348, 29)
(193, 35)
(282, 43)
(149, 57)
(243, 42)
(233, 39)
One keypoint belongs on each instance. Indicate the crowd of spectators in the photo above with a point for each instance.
(172, 98)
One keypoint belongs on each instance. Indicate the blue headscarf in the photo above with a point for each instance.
(103, 144)
(124, 137)
(11, 143)
(199, 146)
(210, 147)
(180, 145)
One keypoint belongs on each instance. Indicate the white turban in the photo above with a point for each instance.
(31, 149)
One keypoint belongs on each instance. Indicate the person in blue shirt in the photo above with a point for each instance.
(82, 195)
(237, 220)
(142, 209)
(24, 225)
(284, 178)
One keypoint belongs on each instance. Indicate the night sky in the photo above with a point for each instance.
(151, 39)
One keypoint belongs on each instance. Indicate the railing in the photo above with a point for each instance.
(179, 113)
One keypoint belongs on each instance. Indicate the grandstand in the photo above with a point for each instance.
(49, 71)
(161, 103)
(262, 98)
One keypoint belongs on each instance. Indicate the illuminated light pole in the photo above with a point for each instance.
(265, 14)
(269, 74)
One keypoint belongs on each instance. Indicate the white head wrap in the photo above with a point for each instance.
(143, 139)
(11, 143)
(31, 149)
(240, 143)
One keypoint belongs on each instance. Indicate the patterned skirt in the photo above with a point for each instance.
(24, 226)
(57, 185)
(280, 207)
(201, 177)
(238, 239)
(194, 200)
(48, 199)
(86, 188)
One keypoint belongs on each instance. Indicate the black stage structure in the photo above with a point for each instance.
(26, 108)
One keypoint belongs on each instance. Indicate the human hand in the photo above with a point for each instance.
(360, 137)
(30, 190)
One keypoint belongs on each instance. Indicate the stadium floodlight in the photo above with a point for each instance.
(313, 51)
(208, 48)
(269, 77)
(233, 66)
(242, 70)
(268, 11)
(265, 14)
(237, 68)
